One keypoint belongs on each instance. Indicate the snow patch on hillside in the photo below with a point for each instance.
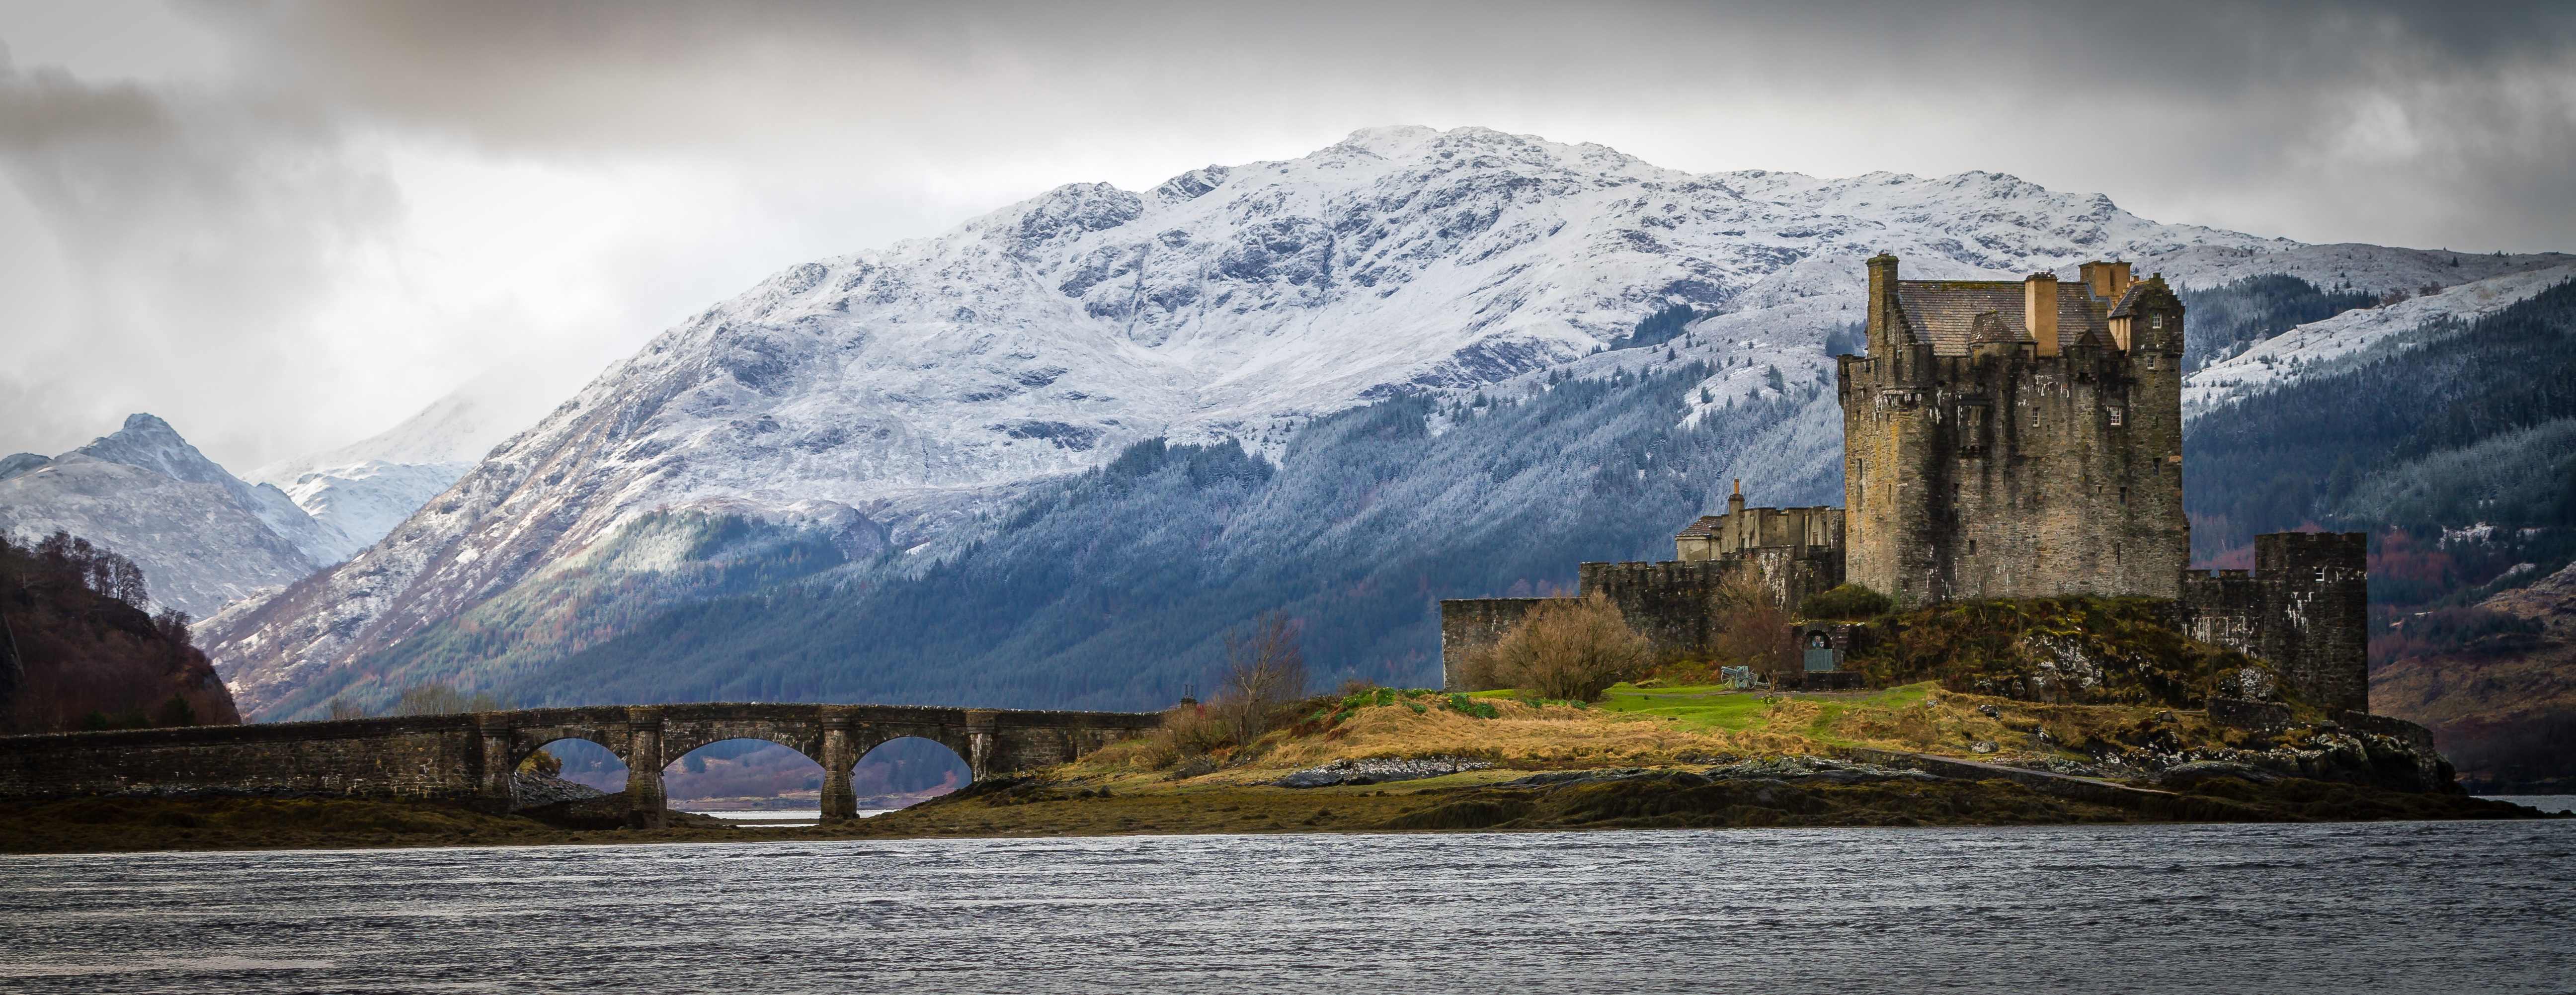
(2353, 338)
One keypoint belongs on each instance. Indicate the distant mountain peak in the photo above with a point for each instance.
(148, 442)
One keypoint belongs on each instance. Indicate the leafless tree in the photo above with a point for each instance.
(1263, 670)
(1753, 628)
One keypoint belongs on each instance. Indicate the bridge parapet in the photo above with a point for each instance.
(469, 757)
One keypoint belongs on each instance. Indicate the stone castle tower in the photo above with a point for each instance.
(2002, 439)
(2011, 439)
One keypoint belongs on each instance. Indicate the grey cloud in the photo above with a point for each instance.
(193, 232)
(203, 218)
(2227, 107)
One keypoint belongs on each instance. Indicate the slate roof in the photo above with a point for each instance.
(1989, 326)
(2128, 304)
(1945, 312)
(1701, 529)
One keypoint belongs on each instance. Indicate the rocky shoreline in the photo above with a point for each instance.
(1867, 789)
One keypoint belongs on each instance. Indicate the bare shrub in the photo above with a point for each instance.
(439, 699)
(343, 709)
(1263, 671)
(1187, 730)
(1569, 648)
(1753, 630)
(1849, 602)
(1195, 732)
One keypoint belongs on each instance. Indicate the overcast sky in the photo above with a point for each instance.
(287, 226)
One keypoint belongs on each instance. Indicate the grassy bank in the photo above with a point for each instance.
(1663, 757)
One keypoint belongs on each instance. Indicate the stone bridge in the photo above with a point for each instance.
(469, 758)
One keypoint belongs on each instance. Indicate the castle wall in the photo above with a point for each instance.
(2304, 609)
(1680, 605)
(1743, 528)
(1469, 624)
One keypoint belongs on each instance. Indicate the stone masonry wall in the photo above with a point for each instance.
(2010, 471)
(469, 757)
(1679, 604)
(1469, 623)
(2304, 609)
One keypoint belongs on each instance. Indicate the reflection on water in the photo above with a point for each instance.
(775, 818)
(2407, 907)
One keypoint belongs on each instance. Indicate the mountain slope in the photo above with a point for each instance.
(939, 378)
(2502, 708)
(203, 536)
(367, 487)
(2359, 337)
(1114, 589)
(2378, 438)
(77, 652)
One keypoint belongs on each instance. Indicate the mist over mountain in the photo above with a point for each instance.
(925, 389)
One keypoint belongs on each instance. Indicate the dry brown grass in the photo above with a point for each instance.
(1524, 736)
(1187, 731)
(1531, 736)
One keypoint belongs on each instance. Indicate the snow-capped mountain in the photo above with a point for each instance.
(2348, 340)
(202, 536)
(920, 382)
(367, 487)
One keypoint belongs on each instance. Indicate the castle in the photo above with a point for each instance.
(2002, 439)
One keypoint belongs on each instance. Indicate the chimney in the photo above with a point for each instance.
(2039, 310)
(1735, 502)
(1882, 304)
(2097, 279)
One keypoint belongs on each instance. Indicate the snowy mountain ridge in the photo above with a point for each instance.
(921, 382)
(202, 536)
(367, 487)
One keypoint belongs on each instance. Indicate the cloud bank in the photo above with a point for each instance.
(286, 225)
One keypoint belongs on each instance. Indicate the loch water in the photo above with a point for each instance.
(2384, 907)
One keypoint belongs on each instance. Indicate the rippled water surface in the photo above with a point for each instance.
(2333, 908)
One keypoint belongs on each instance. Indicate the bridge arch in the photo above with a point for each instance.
(471, 757)
(731, 773)
(904, 770)
(586, 760)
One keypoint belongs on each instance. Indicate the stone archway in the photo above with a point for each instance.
(904, 770)
(579, 764)
(741, 774)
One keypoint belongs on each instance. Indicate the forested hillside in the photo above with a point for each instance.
(1113, 589)
(2473, 427)
(2225, 319)
(78, 650)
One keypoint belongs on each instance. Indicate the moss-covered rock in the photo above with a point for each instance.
(2072, 650)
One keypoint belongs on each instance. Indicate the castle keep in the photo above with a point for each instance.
(2001, 439)
(2016, 439)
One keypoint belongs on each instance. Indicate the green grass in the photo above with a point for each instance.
(1715, 707)
(1708, 707)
